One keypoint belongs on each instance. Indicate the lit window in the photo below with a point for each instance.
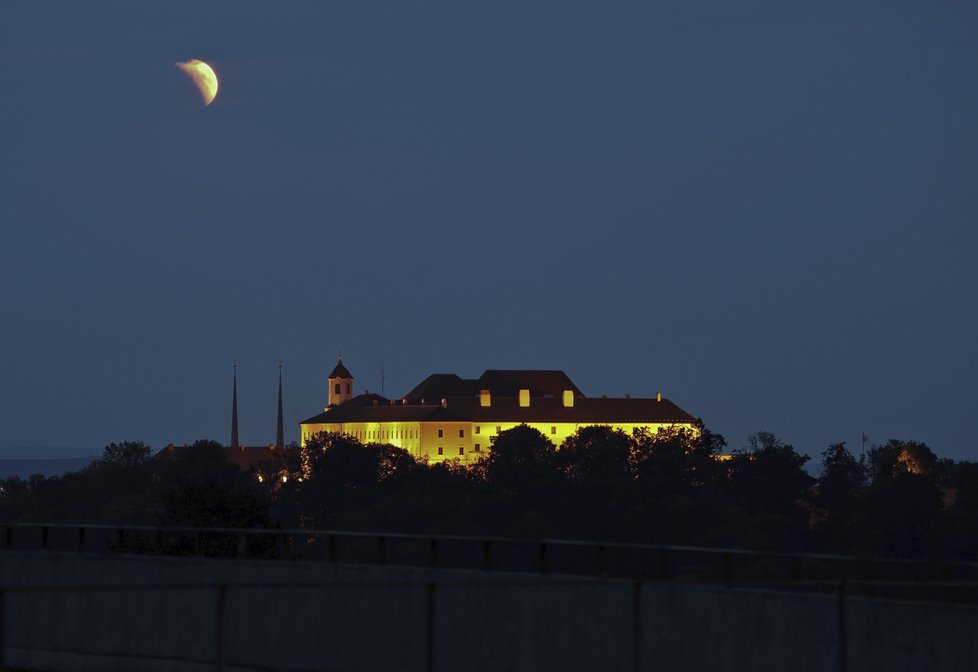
(478, 448)
(441, 433)
(441, 451)
(477, 429)
(461, 450)
(553, 429)
(461, 433)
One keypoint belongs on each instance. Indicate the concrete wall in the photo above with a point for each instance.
(481, 622)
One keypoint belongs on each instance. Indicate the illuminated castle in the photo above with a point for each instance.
(446, 417)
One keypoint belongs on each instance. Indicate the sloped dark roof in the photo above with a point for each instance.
(586, 410)
(340, 371)
(499, 382)
(439, 386)
(379, 413)
(243, 456)
(359, 401)
(247, 456)
(541, 383)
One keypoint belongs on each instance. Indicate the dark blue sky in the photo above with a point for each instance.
(765, 210)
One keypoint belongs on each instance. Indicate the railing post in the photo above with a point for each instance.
(81, 540)
(44, 537)
(869, 575)
(843, 629)
(434, 553)
(242, 549)
(221, 632)
(381, 550)
(947, 576)
(431, 639)
(665, 564)
(795, 573)
(637, 625)
(3, 629)
(331, 548)
(544, 560)
(487, 556)
(120, 535)
(284, 538)
(10, 537)
(728, 569)
(602, 560)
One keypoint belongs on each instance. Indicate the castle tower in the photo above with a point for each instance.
(234, 409)
(280, 430)
(340, 384)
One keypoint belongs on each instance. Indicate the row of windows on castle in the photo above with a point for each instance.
(409, 433)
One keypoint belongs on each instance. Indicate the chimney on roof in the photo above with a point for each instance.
(658, 396)
(485, 398)
(568, 398)
(524, 397)
(444, 402)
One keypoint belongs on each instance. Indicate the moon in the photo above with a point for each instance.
(203, 76)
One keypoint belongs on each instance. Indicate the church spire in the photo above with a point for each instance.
(280, 431)
(234, 409)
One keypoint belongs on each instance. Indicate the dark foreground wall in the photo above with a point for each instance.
(375, 618)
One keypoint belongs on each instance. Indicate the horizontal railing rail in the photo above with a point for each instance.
(928, 579)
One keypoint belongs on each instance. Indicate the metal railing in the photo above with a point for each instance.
(926, 580)
(224, 659)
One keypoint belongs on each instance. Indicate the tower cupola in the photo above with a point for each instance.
(340, 384)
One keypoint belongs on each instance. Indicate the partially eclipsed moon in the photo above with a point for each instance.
(203, 76)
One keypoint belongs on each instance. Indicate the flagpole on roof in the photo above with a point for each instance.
(280, 428)
(234, 407)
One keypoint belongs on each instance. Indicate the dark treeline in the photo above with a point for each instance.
(601, 484)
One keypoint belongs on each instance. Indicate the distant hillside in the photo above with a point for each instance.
(45, 467)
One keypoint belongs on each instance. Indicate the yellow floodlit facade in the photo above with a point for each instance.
(449, 418)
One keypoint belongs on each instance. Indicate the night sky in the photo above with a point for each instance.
(766, 210)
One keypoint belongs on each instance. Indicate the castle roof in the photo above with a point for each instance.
(586, 410)
(439, 386)
(540, 383)
(499, 382)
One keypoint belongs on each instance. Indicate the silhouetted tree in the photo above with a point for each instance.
(126, 455)
(838, 495)
(898, 457)
(769, 481)
(210, 502)
(595, 454)
(519, 456)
